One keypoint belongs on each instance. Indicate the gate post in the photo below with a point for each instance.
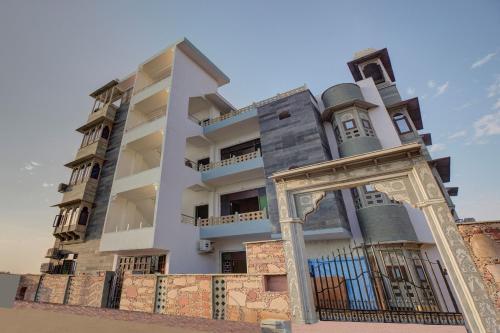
(299, 281)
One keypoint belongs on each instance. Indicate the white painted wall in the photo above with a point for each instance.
(381, 121)
(188, 80)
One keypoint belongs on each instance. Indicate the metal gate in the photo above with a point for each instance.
(383, 284)
(136, 265)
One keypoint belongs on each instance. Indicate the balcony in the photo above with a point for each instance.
(107, 111)
(45, 267)
(97, 148)
(251, 223)
(80, 192)
(70, 232)
(157, 83)
(53, 253)
(243, 167)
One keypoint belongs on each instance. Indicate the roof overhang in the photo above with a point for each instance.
(452, 191)
(383, 54)
(201, 60)
(104, 88)
(442, 166)
(413, 107)
(426, 138)
(220, 102)
(326, 115)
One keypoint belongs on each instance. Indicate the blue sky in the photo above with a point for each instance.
(54, 53)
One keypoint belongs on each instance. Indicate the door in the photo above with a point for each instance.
(234, 262)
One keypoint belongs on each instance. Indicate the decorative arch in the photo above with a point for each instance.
(84, 216)
(404, 175)
(96, 170)
(374, 71)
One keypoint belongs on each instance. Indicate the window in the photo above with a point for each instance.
(84, 215)
(402, 124)
(96, 169)
(87, 171)
(201, 212)
(366, 124)
(74, 174)
(284, 115)
(81, 174)
(369, 188)
(375, 72)
(349, 124)
(105, 133)
(240, 149)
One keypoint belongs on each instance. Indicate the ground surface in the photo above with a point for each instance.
(28, 317)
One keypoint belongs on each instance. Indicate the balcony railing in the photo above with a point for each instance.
(155, 114)
(229, 161)
(252, 106)
(243, 217)
(162, 74)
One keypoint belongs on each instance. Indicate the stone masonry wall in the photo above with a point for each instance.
(30, 282)
(52, 289)
(138, 292)
(483, 240)
(89, 290)
(185, 295)
(266, 257)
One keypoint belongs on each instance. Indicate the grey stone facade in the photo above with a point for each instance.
(296, 141)
(89, 257)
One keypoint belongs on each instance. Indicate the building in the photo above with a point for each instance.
(172, 178)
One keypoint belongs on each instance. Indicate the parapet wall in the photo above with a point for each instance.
(483, 241)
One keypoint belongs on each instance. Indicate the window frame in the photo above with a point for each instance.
(405, 119)
(366, 123)
(353, 123)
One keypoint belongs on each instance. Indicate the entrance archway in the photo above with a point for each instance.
(404, 175)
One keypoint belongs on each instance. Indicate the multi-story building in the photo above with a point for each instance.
(172, 178)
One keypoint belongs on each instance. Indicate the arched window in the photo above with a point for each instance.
(84, 216)
(105, 132)
(402, 123)
(72, 180)
(81, 173)
(375, 72)
(96, 169)
(284, 115)
(87, 171)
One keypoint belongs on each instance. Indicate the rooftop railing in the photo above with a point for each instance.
(252, 106)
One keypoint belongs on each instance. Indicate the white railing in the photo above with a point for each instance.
(227, 219)
(161, 75)
(229, 161)
(253, 106)
(155, 114)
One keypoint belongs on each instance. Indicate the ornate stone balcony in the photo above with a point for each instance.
(70, 232)
(85, 191)
(106, 111)
(97, 148)
(53, 253)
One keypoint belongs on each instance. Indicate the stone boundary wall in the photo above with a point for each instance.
(52, 289)
(249, 301)
(85, 289)
(89, 289)
(185, 295)
(30, 282)
(483, 241)
(266, 257)
(138, 292)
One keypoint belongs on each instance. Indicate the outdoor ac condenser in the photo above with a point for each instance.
(205, 246)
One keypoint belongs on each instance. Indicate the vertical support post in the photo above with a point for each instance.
(299, 281)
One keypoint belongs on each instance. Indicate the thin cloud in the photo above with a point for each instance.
(463, 106)
(496, 106)
(410, 91)
(45, 184)
(483, 60)
(494, 88)
(431, 84)
(487, 125)
(30, 166)
(436, 147)
(442, 88)
(458, 134)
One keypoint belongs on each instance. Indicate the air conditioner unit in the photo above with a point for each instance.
(205, 246)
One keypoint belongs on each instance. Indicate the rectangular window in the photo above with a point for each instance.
(366, 124)
(369, 188)
(349, 124)
(201, 212)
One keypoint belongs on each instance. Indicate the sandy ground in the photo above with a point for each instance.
(39, 321)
